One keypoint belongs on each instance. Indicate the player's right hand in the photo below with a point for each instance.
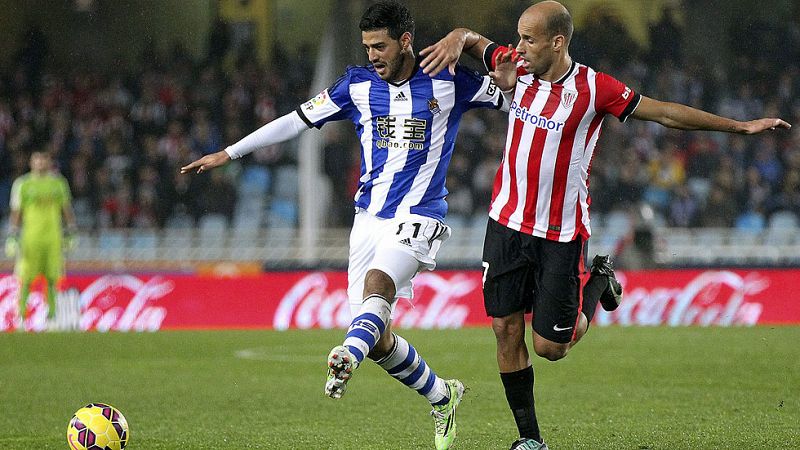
(207, 162)
(761, 125)
(444, 53)
(12, 246)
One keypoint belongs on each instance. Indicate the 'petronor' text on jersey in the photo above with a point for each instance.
(537, 121)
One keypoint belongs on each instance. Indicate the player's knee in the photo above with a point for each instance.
(582, 328)
(550, 350)
(552, 354)
(508, 329)
(378, 282)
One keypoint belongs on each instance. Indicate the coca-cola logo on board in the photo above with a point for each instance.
(111, 302)
(717, 297)
(124, 303)
(312, 303)
(36, 306)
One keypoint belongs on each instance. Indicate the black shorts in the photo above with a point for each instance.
(525, 272)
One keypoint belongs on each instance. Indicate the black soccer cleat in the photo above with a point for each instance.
(612, 295)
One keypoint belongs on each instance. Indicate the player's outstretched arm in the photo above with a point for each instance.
(281, 129)
(447, 51)
(682, 117)
(207, 162)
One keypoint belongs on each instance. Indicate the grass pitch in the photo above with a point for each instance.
(621, 388)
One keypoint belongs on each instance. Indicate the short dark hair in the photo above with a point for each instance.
(393, 16)
(560, 23)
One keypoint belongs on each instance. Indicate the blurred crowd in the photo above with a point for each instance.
(119, 138)
(701, 179)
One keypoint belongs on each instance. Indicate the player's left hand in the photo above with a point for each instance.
(760, 125)
(444, 53)
(504, 74)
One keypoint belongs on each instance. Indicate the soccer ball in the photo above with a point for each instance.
(97, 426)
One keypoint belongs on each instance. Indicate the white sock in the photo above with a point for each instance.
(407, 366)
(368, 326)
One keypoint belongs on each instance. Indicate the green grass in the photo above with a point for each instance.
(622, 388)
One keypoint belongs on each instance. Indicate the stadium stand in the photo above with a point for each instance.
(119, 138)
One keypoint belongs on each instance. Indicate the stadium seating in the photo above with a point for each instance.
(266, 214)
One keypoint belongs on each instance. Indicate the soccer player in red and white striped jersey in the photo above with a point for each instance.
(539, 216)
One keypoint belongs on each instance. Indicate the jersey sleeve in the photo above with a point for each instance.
(614, 97)
(476, 91)
(329, 105)
(16, 194)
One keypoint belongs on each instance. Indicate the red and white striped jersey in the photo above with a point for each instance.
(541, 187)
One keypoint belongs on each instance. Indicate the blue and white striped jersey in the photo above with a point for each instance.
(407, 133)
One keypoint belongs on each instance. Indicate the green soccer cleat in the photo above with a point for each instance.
(444, 416)
(341, 364)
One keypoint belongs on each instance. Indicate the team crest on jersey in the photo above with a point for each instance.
(433, 106)
(568, 97)
(317, 101)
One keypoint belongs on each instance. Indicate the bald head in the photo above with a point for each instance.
(552, 16)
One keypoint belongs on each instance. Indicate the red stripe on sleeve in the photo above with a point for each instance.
(612, 95)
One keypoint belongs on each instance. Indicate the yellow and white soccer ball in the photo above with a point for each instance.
(97, 426)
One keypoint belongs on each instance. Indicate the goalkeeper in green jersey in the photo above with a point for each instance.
(38, 199)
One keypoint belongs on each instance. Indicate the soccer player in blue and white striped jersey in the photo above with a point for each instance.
(407, 122)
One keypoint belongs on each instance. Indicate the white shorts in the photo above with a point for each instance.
(401, 247)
